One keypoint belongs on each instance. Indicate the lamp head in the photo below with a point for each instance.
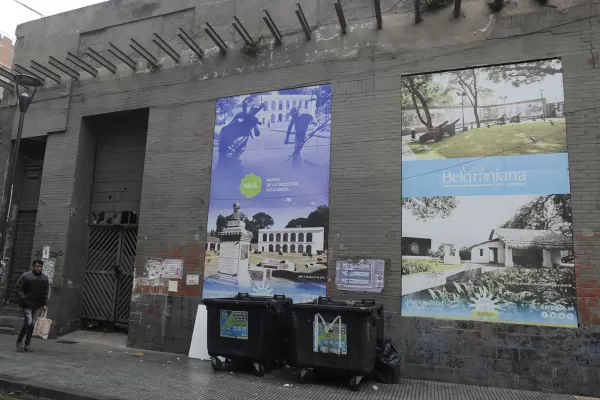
(26, 86)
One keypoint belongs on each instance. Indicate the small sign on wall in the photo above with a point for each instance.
(46, 252)
(361, 276)
(166, 269)
(192, 280)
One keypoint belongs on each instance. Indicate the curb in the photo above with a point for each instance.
(48, 391)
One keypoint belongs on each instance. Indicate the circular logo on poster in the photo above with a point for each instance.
(414, 248)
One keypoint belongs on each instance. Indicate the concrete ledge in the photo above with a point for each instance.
(48, 391)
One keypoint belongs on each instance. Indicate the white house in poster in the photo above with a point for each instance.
(522, 247)
(291, 240)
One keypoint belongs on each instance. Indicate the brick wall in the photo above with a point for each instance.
(365, 67)
(6, 51)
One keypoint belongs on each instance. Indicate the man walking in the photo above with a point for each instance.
(32, 290)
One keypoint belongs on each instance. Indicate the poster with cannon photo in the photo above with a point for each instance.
(486, 208)
(269, 201)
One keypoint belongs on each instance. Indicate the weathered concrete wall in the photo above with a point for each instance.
(365, 67)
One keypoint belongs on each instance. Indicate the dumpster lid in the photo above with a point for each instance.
(326, 303)
(246, 299)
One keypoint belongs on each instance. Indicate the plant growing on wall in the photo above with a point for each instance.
(252, 48)
(495, 6)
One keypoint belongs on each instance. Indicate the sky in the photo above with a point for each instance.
(13, 14)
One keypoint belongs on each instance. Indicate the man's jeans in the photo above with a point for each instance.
(30, 315)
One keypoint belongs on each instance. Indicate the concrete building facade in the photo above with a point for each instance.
(126, 156)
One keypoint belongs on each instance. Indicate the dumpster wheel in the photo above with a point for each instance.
(217, 365)
(301, 375)
(355, 383)
(258, 369)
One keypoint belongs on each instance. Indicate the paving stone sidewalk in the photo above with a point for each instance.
(87, 371)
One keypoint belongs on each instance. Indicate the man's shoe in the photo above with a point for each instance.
(19, 347)
(28, 349)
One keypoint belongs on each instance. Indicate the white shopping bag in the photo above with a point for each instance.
(42, 326)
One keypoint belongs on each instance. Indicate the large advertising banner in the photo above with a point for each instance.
(486, 208)
(268, 217)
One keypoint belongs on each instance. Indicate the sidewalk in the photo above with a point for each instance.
(78, 371)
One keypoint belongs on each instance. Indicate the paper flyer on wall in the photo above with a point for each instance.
(486, 207)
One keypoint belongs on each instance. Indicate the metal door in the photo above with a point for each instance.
(109, 274)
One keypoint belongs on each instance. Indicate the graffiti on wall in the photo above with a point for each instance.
(486, 207)
(269, 200)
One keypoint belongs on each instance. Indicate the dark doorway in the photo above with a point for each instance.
(493, 255)
(114, 215)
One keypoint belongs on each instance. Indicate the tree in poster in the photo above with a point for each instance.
(441, 251)
(422, 92)
(316, 219)
(468, 81)
(524, 74)
(426, 208)
(221, 223)
(259, 221)
(550, 212)
(226, 105)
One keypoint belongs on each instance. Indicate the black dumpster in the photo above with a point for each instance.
(337, 337)
(249, 329)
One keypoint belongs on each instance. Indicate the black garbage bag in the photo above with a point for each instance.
(388, 363)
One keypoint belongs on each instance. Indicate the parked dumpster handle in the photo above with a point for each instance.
(279, 296)
(371, 301)
(243, 295)
(323, 298)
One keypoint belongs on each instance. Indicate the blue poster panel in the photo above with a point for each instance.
(486, 207)
(269, 198)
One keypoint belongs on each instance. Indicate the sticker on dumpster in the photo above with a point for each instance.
(329, 337)
(234, 324)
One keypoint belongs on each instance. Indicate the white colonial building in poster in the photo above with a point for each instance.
(292, 240)
(522, 247)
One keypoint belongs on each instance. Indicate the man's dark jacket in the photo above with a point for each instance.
(32, 290)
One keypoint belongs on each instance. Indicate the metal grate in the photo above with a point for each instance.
(22, 249)
(128, 247)
(109, 274)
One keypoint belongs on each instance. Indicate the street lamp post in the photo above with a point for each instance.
(25, 89)
(542, 100)
(462, 95)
